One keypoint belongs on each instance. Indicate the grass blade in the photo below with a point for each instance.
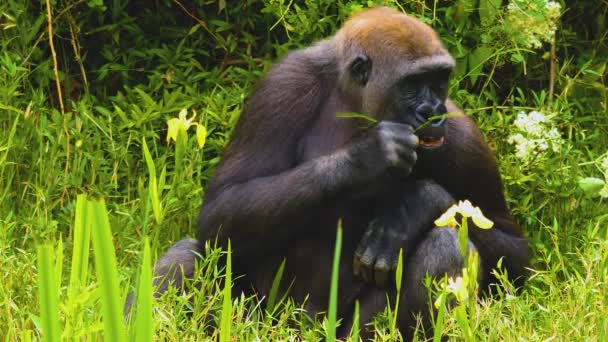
(49, 294)
(82, 240)
(153, 187)
(354, 334)
(441, 309)
(274, 290)
(107, 275)
(143, 322)
(58, 265)
(332, 311)
(226, 318)
(398, 278)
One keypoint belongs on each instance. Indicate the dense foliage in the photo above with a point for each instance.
(532, 73)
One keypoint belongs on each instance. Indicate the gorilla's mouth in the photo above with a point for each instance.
(430, 142)
(431, 133)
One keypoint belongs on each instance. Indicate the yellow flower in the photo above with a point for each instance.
(182, 124)
(448, 218)
(179, 124)
(466, 209)
(201, 135)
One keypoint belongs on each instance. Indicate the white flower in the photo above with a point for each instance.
(532, 21)
(516, 139)
(553, 7)
(535, 135)
(604, 191)
(531, 123)
(605, 164)
(537, 117)
(458, 287)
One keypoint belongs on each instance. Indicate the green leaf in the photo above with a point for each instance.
(354, 333)
(398, 278)
(477, 59)
(399, 271)
(82, 241)
(274, 289)
(226, 317)
(441, 310)
(194, 29)
(153, 187)
(107, 273)
(517, 58)
(462, 10)
(488, 10)
(332, 311)
(591, 185)
(461, 67)
(144, 328)
(59, 263)
(48, 291)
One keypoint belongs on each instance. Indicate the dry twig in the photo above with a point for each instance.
(552, 67)
(54, 55)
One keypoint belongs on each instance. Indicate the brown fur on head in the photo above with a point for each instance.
(390, 31)
(397, 45)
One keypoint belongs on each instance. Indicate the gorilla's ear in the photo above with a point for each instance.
(360, 69)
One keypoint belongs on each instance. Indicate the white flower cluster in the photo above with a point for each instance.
(604, 165)
(535, 20)
(535, 136)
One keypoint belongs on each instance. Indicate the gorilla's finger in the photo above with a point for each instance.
(381, 272)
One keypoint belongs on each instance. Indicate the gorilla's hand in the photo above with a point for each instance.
(389, 146)
(377, 254)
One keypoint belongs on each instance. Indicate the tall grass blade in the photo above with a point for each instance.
(6, 179)
(226, 318)
(274, 290)
(153, 187)
(398, 278)
(80, 256)
(143, 323)
(49, 295)
(59, 264)
(355, 332)
(441, 309)
(332, 311)
(107, 275)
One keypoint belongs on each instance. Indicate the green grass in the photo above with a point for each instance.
(68, 260)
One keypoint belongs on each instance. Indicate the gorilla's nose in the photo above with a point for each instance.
(426, 111)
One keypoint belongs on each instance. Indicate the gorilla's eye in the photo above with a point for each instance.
(360, 69)
(441, 88)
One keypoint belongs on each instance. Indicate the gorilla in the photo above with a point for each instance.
(299, 160)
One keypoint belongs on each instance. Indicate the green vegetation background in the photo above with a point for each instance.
(126, 67)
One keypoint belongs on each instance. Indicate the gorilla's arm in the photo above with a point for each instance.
(464, 168)
(401, 220)
(259, 195)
